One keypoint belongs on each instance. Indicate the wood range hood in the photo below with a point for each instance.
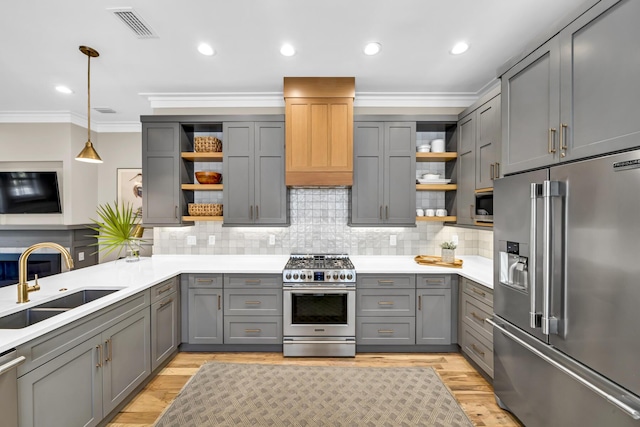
(319, 131)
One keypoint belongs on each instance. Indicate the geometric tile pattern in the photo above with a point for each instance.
(235, 394)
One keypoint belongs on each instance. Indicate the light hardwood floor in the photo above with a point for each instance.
(474, 394)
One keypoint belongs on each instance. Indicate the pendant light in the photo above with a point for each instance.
(88, 153)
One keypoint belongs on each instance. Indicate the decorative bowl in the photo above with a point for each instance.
(208, 177)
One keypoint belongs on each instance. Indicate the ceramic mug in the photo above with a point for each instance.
(441, 212)
(430, 212)
(437, 145)
(420, 212)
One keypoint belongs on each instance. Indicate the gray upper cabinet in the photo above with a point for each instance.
(599, 85)
(163, 201)
(465, 194)
(574, 96)
(487, 143)
(254, 189)
(383, 190)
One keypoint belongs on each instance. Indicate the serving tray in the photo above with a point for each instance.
(437, 261)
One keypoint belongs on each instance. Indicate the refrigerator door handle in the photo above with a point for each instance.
(629, 410)
(549, 324)
(534, 316)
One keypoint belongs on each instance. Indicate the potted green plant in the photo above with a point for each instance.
(448, 252)
(118, 230)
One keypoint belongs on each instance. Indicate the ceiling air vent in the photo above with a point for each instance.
(134, 22)
(105, 110)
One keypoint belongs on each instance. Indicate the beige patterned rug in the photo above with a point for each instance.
(233, 394)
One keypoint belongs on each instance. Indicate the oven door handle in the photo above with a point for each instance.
(319, 290)
(290, 341)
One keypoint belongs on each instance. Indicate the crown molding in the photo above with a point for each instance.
(67, 117)
(276, 99)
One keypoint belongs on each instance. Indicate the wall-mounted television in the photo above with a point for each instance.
(29, 192)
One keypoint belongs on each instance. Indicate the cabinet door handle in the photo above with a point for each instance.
(163, 290)
(475, 291)
(472, 214)
(108, 344)
(385, 282)
(381, 212)
(478, 318)
(563, 139)
(251, 212)
(252, 282)
(477, 350)
(204, 280)
(219, 302)
(385, 302)
(551, 143)
(497, 170)
(253, 302)
(257, 331)
(385, 331)
(166, 303)
(419, 302)
(99, 364)
(492, 169)
(387, 209)
(257, 213)
(176, 212)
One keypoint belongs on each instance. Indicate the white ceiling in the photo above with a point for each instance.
(41, 39)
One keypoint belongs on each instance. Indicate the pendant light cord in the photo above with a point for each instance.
(89, 98)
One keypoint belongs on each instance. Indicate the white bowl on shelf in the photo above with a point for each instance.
(424, 148)
(430, 176)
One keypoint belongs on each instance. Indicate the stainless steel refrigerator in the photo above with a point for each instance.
(567, 293)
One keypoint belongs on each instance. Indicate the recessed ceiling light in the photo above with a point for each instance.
(64, 89)
(372, 48)
(287, 50)
(206, 49)
(459, 48)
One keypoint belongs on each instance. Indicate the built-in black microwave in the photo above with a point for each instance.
(484, 206)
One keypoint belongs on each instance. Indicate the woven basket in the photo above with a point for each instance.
(207, 144)
(205, 209)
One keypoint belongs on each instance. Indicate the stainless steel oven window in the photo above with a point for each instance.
(319, 308)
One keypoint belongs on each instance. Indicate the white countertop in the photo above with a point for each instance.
(131, 278)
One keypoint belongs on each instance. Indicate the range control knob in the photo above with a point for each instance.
(349, 276)
(342, 277)
(335, 276)
(303, 276)
(288, 276)
(327, 277)
(295, 276)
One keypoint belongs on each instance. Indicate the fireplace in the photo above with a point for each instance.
(41, 264)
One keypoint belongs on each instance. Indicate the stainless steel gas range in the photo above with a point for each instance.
(319, 306)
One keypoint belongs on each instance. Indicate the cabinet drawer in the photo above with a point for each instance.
(386, 331)
(253, 281)
(252, 302)
(479, 350)
(474, 314)
(478, 291)
(385, 302)
(253, 330)
(433, 281)
(163, 289)
(205, 280)
(386, 281)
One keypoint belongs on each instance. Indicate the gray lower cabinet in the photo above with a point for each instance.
(476, 335)
(205, 316)
(573, 97)
(436, 311)
(383, 191)
(165, 309)
(254, 187)
(385, 309)
(85, 383)
(252, 309)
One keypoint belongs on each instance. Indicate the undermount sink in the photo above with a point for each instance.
(44, 311)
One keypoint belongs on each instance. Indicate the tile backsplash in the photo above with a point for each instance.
(319, 225)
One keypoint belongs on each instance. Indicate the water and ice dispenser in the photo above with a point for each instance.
(514, 267)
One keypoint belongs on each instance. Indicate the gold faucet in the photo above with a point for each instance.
(23, 287)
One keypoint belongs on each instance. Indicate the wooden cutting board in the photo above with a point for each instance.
(437, 261)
